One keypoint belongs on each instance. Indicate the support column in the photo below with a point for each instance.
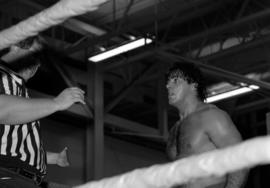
(98, 101)
(89, 149)
(95, 128)
(162, 103)
(268, 123)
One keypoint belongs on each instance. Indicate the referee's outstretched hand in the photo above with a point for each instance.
(62, 158)
(68, 97)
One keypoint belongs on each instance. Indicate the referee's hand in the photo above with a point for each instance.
(68, 97)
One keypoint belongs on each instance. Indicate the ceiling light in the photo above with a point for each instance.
(132, 37)
(121, 49)
(231, 93)
(101, 48)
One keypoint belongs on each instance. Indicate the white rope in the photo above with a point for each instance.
(215, 163)
(49, 17)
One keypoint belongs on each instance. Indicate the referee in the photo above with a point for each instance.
(22, 155)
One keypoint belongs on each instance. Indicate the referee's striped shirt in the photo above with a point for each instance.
(20, 145)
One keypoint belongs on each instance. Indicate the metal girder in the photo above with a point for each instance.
(90, 42)
(175, 10)
(7, 3)
(243, 7)
(109, 119)
(83, 28)
(71, 83)
(247, 45)
(188, 16)
(252, 105)
(129, 125)
(181, 42)
(217, 30)
(122, 7)
(98, 101)
(124, 91)
(55, 60)
(268, 123)
(162, 103)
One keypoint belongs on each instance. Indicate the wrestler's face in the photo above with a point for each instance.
(177, 89)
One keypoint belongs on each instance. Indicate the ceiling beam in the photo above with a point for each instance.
(87, 42)
(120, 95)
(7, 4)
(187, 40)
(252, 106)
(247, 45)
(177, 19)
(217, 30)
(120, 9)
(129, 125)
(69, 80)
(90, 42)
(83, 28)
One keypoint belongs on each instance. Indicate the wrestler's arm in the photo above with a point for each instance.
(18, 110)
(222, 131)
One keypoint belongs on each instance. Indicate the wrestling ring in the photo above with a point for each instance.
(248, 154)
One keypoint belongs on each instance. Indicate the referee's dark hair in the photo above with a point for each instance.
(31, 60)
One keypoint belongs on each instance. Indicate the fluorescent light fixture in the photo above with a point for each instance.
(232, 93)
(121, 49)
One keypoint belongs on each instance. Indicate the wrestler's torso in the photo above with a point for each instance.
(192, 138)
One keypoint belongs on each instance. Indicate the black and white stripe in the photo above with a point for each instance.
(20, 142)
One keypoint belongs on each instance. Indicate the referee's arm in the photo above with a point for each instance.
(18, 110)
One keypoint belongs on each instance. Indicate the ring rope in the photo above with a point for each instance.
(45, 19)
(214, 163)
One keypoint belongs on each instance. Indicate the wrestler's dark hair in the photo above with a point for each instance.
(191, 73)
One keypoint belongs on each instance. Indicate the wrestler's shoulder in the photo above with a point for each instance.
(213, 112)
(210, 108)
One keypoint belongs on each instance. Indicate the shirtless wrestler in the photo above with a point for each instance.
(201, 127)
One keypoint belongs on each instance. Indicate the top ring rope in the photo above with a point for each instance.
(214, 163)
(45, 19)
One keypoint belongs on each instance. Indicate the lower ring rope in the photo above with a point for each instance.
(214, 163)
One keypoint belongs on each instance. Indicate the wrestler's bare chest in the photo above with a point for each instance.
(191, 138)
